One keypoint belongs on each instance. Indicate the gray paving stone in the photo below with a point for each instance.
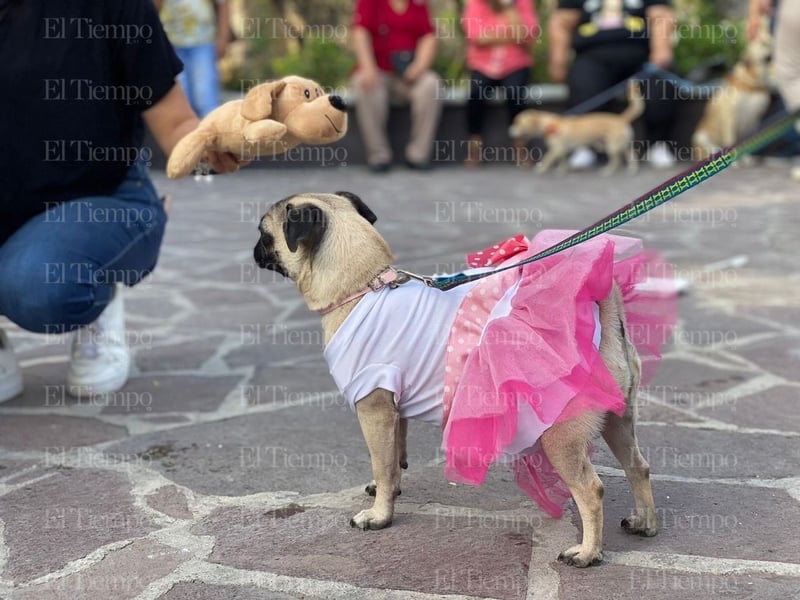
(708, 520)
(204, 591)
(65, 517)
(775, 408)
(170, 501)
(37, 432)
(168, 393)
(122, 574)
(778, 356)
(717, 454)
(186, 355)
(459, 556)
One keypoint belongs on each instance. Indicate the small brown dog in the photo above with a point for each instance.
(328, 245)
(607, 132)
(737, 107)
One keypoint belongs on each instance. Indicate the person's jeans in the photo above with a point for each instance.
(199, 78)
(58, 270)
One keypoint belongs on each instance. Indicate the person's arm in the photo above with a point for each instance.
(424, 54)
(171, 118)
(365, 58)
(661, 24)
(223, 27)
(561, 27)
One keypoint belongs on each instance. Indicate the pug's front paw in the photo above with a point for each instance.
(370, 519)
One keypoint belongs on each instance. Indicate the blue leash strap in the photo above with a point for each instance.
(668, 190)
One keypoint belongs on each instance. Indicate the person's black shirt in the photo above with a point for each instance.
(75, 76)
(610, 21)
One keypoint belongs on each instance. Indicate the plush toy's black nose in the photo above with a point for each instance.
(337, 102)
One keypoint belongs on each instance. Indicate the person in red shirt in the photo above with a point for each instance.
(395, 46)
(499, 36)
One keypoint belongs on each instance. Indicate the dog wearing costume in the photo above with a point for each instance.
(525, 366)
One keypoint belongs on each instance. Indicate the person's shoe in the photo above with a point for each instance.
(582, 158)
(381, 167)
(10, 375)
(99, 359)
(661, 157)
(474, 151)
(418, 166)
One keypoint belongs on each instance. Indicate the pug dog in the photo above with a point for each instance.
(328, 245)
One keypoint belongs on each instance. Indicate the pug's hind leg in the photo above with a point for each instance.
(566, 446)
(380, 424)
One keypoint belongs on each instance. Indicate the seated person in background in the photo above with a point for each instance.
(612, 40)
(395, 46)
(499, 36)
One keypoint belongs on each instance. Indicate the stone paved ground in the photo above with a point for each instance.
(228, 467)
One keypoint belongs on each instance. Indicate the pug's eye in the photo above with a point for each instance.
(307, 94)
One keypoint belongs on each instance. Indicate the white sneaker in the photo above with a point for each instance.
(99, 359)
(582, 158)
(10, 375)
(660, 156)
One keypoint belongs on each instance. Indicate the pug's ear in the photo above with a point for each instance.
(359, 205)
(304, 224)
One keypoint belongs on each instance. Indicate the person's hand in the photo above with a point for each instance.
(413, 71)
(758, 9)
(557, 71)
(368, 78)
(225, 162)
(662, 57)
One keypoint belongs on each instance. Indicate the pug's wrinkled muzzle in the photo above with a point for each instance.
(265, 256)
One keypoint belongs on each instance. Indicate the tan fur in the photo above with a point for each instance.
(564, 133)
(272, 118)
(737, 107)
(351, 253)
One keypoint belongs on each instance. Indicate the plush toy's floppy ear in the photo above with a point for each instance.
(257, 103)
(304, 224)
(359, 205)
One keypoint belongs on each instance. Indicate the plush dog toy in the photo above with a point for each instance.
(272, 118)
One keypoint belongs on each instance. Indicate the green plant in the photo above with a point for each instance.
(322, 60)
(704, 36)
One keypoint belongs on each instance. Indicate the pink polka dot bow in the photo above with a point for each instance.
(496, 254)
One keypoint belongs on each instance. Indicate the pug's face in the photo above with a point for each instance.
(314, 237)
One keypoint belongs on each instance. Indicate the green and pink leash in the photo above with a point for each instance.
(665, 192)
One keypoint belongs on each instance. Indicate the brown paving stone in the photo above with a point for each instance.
(779, 356)
(205, 591)
(310, 449)
(775, 408)
(122, 574)
(186, 355)
(638, 583)
(708, 520)
(460, 557)
(37, 432)
(65, 517)
(168, 393)
(170, 501)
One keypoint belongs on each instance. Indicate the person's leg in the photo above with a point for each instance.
(205, 79)
(589, 75)
(423, 96)
(787, 53)
(515, 87)
(372, 111)
(58, 271)
(479, 88)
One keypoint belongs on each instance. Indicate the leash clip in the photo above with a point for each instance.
(405, 276)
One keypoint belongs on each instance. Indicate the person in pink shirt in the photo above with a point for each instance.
(499, 36)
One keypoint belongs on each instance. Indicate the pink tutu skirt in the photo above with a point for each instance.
(522, 354)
